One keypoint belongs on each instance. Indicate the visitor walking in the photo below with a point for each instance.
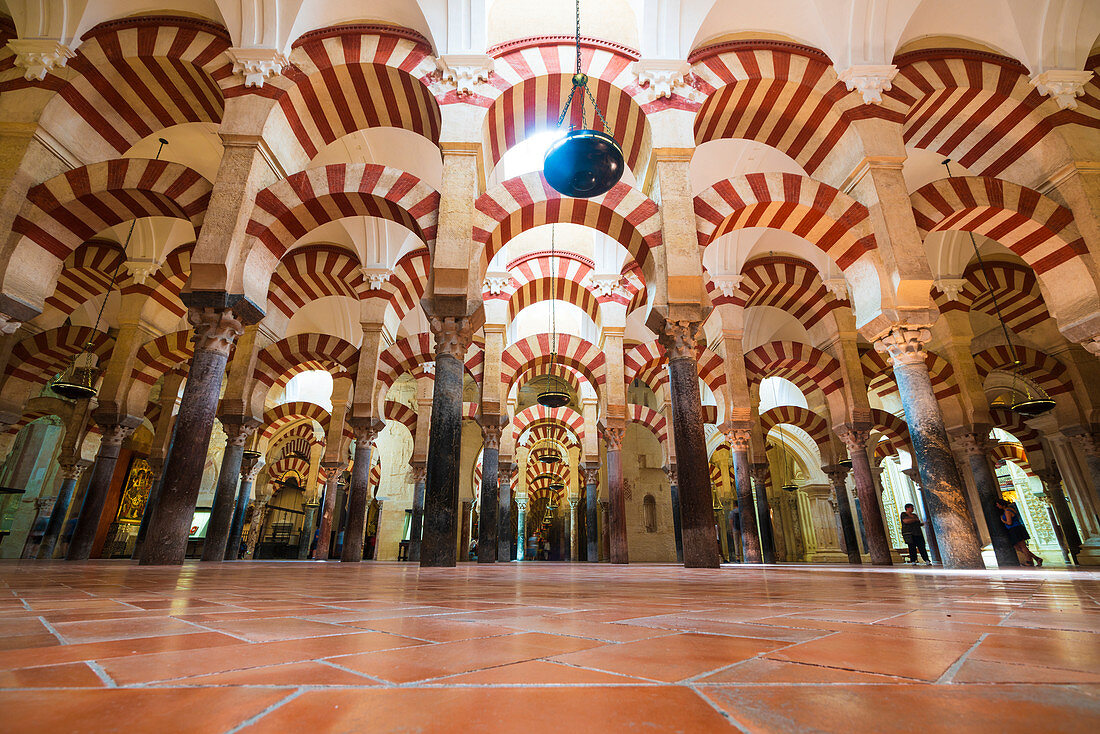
(914, 537)
(1017, 532)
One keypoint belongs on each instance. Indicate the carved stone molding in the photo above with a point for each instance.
(113, 434)
(37, 57)
(613, 435)
(365, 429)
(1064, 86)
(670, 472)
(375, 278)
(256, 64)
(855, 439)
(72, 469)
(837, 474)
(419, 472)
(951, 288)
(838, 287)
(465, 71)
(661, 76)
(215, 329)
(238, 429)
(453, 336)
(8, 325)
(870, 80)
(591, 475)
(728, 285)
(1092, 345)
(739, 438)
(904, 344)
(606, 286)
(491, 434)
(680, 339)
(250, 467)
(495, 284)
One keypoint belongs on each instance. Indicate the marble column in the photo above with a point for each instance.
(453, 337)
(605, 530)
(674, 493)
(960, 546)
(613, 435)
(1052, 485)
(256, 529)
(464, 534)
(488, 525)
(928, 528)
(71, 469)
(975, 445)
(215, 331)
(238, 429)
(1090, 447)
(112, 435)
(837, 474)
(504, 512)
(305, 538)
(521, 531)
(359, 492)
(250, 467)
(591, 511)
(758, 472)
(328, 509)
(692, 468)
(416, 524)
(878, 543)
(574, 531)
(739, 440)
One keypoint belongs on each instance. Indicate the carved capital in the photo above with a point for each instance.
(854, 439)
(661, 76)
(72, 469)
(613, 435)
(838, 287)
(419, 472)
(215, 329)
(1064, 86)
(836, 473)
(453, 336)
(491, 434)
(37, 57)
(904, 344)
(113, 434)
(670, 472)
(238, 429)
(375, 278)
(728, 285)
(951, 288)
(739, 438)
(592, 474)
(256, 64)
(465, 71)
(495, 283)
(680, 339)
(365, 429)
(869, 80)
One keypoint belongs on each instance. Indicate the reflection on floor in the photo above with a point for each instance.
(379, 647)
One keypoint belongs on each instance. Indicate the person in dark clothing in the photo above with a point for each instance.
(1017, 532)
(911, 532)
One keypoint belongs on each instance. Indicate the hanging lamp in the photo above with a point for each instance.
(586, 162)
(547, 455)
(555, 394)
(785, 485)
(1029, 405)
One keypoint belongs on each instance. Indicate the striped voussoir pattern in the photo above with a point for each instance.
(312, 272)
(290, 208)
(36, 359)
(518, 204)
(396, 412)
(839, 225)
(537, 415)
(978, 108)
(165, 285)
(1046, 371)
(879, 374)
(650, 419)
(353, 77)
(787, 283)
(537, 470)
(1015, 287)
(542, 432)
(570, 376)
(300, 437)
(1038, 229)
(536, 279)
(646, 363)
(1012, 422)
(793, 415)
(86, 274)
(408, 354)
(279, 417)
(160, 356)
(287, 467)
(69, 209)
(807, 367)
(1014, 452)
(276, 364)
(573, 351)
(894, 428)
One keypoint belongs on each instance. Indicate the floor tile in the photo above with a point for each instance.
(69, 675)
(123, 629)
(268, 630)
(907, 657)
(539, 672)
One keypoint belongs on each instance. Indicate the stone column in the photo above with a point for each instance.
(574, 531)
(464, 535)
(305, 538)
(929, 529)
(488, 524)
(521, 530)
(95, 496)
(1090, 447)
(693, 470)
(740, 439)
(312, 502)
(1052, 485)
(758, 472)
(878, 543)
(674, 491)
(975, 446)
(605, 531)
(334, 469)
(613, 435)
(71, 469)
(837, 475)
(958, 539)
(215, 332)
(453, 337)
(359, 492)
(504, 512)
(416, 525)
(238, 429)
(591, 509)
(250, 467)
(256, 529)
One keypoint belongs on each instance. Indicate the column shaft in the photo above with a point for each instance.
(763, 513)
(416, 525)
(328, 509)
(616, 496)
(488, 525)
(844, 509)
(975, 445)
(358, 495)
(441, 485)
(221, 516)
(233, 543)
(1052, 483)
(591, 511)
(305, 538)
(878, 544)
(71, 473)
(746, 510)
(674, 494)
(574, 532)
(521, 533)
(95, 496)
(504, 512)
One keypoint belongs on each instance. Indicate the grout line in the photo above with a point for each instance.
(53, 630)
(367, 676)
(721, 712)
(103, 675)
(949, 674)
(253, 719)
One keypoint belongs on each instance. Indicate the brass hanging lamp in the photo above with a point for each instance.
(555, 394)
(785, 484)
(586, 162)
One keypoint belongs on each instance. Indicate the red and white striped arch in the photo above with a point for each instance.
(87, 274)
(879, 374)
(290, 208)
(36, 359)
(556, 432)
(572, 377)
(1013, 452)
(72, 207)
(287, 357)
(535, 415)
(1015, 287)
(535, 278)
(159, 356)
(1036, 228)
(299, 433)
(1008, 420)
(353, 77)
(163, 288)
(405, 355)
(647, 417)
(624, 214)
(646, 362)
(893, 427)
(408, 282)
(1046, 371)
(786, 283)
(780, 94)
(838, 224)
(808, 368)
(287, 464)
(799, 417)
(309, 273)
(395, 412)
(978, 108)
(277, 418)
(572, 351)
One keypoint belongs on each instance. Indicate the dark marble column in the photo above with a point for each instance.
(1090, 447)
(488, 524)
(114, 432)
(591, 511)
(305, 538)
(215, 332)
(837, 475)
(359, 492)
(613, 435)
(504, 512)
(154, 496)
(960, 546)
(71, 469)
(250, 467)
(692, 468)
(739, 450)
(328, 509)
(928, 528)
(416, 524)
(975, 445)
(464, 532)
(674, 491)
(1052, 485)
(758, 472)
(605, 530)
(452, 338)
(521, 529)
(878, 542)
(237, 431)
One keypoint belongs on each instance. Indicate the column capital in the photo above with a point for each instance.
(670, 472)
(740, 439)
(613, 435)
(419, 471)
(38, 57)
(216, 329)
(904, 343)
(256, 64)
(453, 336)
(365, 429)
(854, 439)
(238, 428)
(869, 80)
(973, 442)
(591, 473)
(1064, 86)
(251, 465)
(72, 468)
(836, 473)
(492, 426)
(680, 339)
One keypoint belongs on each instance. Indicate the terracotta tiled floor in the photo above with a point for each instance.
(561, 648)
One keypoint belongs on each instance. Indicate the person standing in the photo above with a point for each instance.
(1017, 532)
(914, 537)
